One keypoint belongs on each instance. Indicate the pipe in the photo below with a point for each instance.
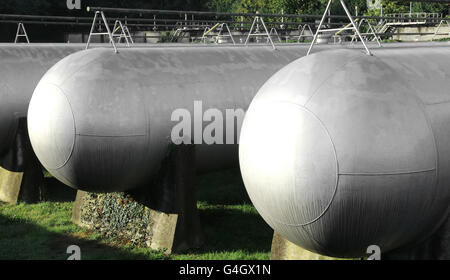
(223, 14)
(340, 150)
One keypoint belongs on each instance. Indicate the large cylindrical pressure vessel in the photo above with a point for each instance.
(340, 150)
(21, 68)
(103, 122)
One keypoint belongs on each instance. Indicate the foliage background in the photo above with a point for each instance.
(58, 7)
(41, 33)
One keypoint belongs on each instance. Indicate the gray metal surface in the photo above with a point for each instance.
(21, 68)
(340, 150)
(101, 121)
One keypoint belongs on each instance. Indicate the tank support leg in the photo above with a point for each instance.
(435, 247)
(21, 177)
(167, 211)
(283, 249)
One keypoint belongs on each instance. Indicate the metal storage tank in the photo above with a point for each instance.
(341, 150)
(22, 66)
(100, 121)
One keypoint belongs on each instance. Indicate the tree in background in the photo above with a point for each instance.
(223, 6)
(394, 7)
(58, 7)
(287, 6)
(430, 8)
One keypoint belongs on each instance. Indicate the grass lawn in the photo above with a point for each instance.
(233, 228)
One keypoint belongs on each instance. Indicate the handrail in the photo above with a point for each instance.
(217, 14)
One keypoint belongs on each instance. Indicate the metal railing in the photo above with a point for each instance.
(415, 17)
(286, 26)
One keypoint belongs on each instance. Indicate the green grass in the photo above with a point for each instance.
(233, 229)
(391, 41)
(441, 40)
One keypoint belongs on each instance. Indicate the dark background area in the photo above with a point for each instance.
(56, 33)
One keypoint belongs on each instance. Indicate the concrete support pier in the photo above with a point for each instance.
(283, 249)
(21, 177)
(162, 217)
(435, 247)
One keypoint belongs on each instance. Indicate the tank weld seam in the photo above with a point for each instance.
(74, 125)
(82, 66)
(112, 136)
(436, 103)
(327, 78)
(433, 135)
(386, 173)
(60, 174)
(337, 168)
(423, 106)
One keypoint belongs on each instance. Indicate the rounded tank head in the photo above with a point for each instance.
(84, 128)
(51, 126)
(337, 154)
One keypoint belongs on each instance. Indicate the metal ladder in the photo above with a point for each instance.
(274, 32)
(21, 27)
(124, 33)
(220, 27)
(258, 19)
(353, 24)
(302, 32)
(439, 27)
(371, 32)
(108, 31)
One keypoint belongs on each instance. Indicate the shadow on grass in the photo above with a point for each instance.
(222, 187)
(232, 230)
(229, 222)
(55, 191)
(20, 240)
(228, 218)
